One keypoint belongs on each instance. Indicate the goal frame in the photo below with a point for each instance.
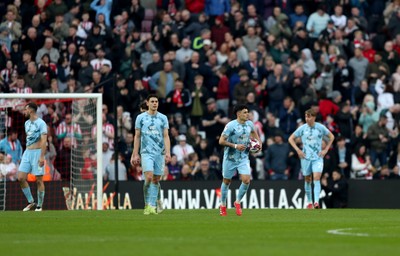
(99, 149)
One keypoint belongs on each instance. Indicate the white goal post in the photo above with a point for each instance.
(97, 97)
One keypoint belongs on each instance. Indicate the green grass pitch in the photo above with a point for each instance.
(201, 232)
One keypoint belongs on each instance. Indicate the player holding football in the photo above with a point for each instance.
(235, 138)
(151, 135)
(33, 158)
(311, 157)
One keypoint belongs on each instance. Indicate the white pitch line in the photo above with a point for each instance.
(345, 232)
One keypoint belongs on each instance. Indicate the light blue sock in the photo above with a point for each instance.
(317, 190)
(146, 192)
(153, 190)
(28, 194)
(224, 193)
(307, 188)
(242, 191)
(40, 198)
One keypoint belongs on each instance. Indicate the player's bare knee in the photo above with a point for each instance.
(227, 181)
(307, 178)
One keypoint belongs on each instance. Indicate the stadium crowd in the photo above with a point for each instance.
(339, 57)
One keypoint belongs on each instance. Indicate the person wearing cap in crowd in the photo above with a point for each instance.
(100, 60)
(311, 155)
(182, 150)
(242, 88)
(218, 31)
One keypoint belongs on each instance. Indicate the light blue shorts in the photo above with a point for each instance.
(30, 162)
(153, 163)
(229, 168)
(311, 166)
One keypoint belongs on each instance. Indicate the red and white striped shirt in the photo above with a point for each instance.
(69, 130)
(98, 63)
(107, 128)
(23, 90)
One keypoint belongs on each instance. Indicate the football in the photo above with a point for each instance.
(254, 146)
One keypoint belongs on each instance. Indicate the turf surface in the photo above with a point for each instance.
(201, 232)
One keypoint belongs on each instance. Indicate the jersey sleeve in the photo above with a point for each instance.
(227, 130)
(325, 131)
(298, 131)
(43, 128)
(165, 122)
(138, 122)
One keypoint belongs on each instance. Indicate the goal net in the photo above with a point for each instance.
(73, 162)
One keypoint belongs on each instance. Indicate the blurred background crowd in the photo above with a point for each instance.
(201, 57)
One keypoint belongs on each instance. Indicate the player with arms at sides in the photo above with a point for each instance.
(311, 157)
(235, 138)
(33, 158)
(151, 136)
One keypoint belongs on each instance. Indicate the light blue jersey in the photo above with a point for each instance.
(34, 130)
(311, 138)
(30, 159)
(236, 160)
(237, 133)
(152, 132)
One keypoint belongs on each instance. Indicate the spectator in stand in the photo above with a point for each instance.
(336, 189)
(213, 122)
(359, 65)
(174, 168)
(155, 66)
(14, 27)
(111, 172)
(163, 81)
(222, 90)
(343, 78)
(276, 159)
(251, 39)
(329, 106)
(205, 172)
(59, 28)
(48, 49)
(307, 62)
(136, 13)
(368, 115)
(182, 150)
(378, 137)
(296, 84)
(242, 88)
(100, 60)
(35, 80)
(361, 167)
(8, 169)
(338, 18)
(11, 145)
(179, 100)
(298, 16)
(214, 8)
(184, 53)
(63, 160)
(276, 90)
(289, 117)
(317, 22)
(102, 7)
(342, 157)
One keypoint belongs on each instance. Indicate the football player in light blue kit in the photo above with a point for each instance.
(235, 138)
(151, 136)
(33, 158)
(311, 157)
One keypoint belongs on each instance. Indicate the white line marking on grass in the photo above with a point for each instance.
(345, 232)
